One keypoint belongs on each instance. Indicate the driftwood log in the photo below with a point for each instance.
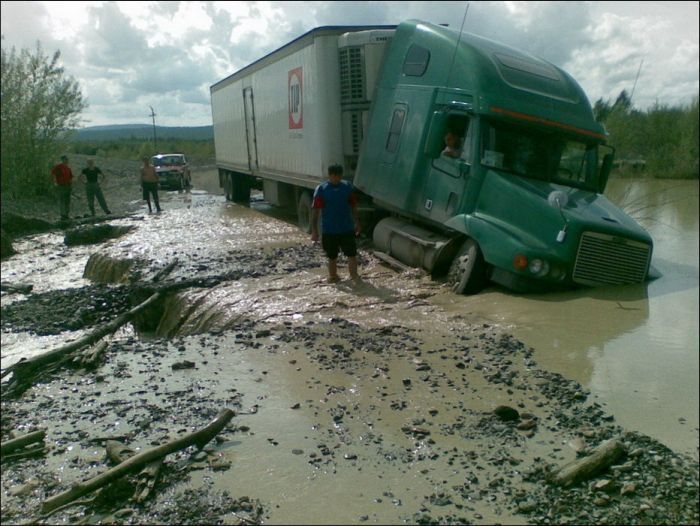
(16, 443)
(598, 461)
(118, 453)
(22, 288)
(137, 462)
(25, 370)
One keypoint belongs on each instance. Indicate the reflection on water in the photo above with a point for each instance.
(635, 347)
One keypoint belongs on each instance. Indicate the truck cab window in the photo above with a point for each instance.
(397, 119)
(416, 61)
(457, 138)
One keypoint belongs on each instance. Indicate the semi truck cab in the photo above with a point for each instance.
(521, 203)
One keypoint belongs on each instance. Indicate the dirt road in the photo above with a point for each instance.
(356, 402)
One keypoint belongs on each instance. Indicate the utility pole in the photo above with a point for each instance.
(155, 143)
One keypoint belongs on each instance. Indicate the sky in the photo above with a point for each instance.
(130, 56)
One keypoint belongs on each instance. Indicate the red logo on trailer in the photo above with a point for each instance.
(296, 114)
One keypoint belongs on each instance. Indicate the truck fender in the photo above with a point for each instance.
(496, 242)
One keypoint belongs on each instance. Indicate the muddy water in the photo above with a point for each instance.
(635, 347)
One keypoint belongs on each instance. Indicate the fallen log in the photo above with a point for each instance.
(165, 271)
(27, 368)
(37, 449)
(137, 462)
(598, 461)
(118, 453)
(91, 356)
(22, 288)
(16, 443)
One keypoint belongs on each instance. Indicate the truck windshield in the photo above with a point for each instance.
(168, 160)
(532, 153)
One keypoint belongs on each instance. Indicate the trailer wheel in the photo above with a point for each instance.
(467, 274)
(304, 212)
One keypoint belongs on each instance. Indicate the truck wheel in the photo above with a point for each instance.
(304, 212)
(467, 274)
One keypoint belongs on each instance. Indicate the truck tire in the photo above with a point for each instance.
(304, 212)
(467, 274)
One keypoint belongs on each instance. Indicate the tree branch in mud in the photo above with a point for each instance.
(118, 453)
(26, 370)
(16, 443)
(137, 462)
(599, 460)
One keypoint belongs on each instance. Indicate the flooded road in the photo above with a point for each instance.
(372, 401)
(635, 347)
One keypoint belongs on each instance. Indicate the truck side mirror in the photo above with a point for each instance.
(434, 141)
(605, 172)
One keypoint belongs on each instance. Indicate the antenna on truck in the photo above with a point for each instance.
(454, 55)
(635, 81)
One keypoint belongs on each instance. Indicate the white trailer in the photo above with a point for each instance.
(285, 118)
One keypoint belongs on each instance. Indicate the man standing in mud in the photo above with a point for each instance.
(336, 203)
(62, 177)
(91, 176)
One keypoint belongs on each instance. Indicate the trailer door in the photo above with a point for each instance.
(251, 141)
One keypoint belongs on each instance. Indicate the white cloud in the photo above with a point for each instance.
(167, 54)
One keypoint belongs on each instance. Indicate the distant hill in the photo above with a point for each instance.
(143, 132)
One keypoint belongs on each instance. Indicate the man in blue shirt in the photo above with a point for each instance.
(336, 203)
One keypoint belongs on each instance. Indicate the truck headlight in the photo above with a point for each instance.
(539, 267)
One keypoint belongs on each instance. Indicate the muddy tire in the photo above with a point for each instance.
(467, 274)
(304, 212)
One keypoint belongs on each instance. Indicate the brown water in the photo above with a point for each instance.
(635, 347)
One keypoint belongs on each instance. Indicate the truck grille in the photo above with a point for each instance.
(605, 259)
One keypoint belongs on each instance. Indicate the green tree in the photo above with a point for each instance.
(40, 106)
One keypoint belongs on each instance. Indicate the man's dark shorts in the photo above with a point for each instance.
(149, 188)
(333, 243)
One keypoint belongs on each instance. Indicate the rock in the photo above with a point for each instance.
(90, 235)
(506, 413)
(628, 488)
(185, 364)
(526, 506)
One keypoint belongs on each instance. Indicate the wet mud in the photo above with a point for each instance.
(357, 402)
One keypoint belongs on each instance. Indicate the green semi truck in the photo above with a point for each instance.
(517, 200)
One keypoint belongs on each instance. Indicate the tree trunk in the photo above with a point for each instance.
(24, 370)
(137, 462)
(599, 460)
(16, 443)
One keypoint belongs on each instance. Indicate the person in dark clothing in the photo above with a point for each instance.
(335, 201)
(149, 183)
(62, 176)
(92, 176)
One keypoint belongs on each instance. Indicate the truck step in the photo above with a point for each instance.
(386, 258)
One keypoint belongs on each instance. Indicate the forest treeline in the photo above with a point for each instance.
(134, 148)
(661, 142)
(41, 108)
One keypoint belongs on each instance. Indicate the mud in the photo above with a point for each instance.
(355, 402)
